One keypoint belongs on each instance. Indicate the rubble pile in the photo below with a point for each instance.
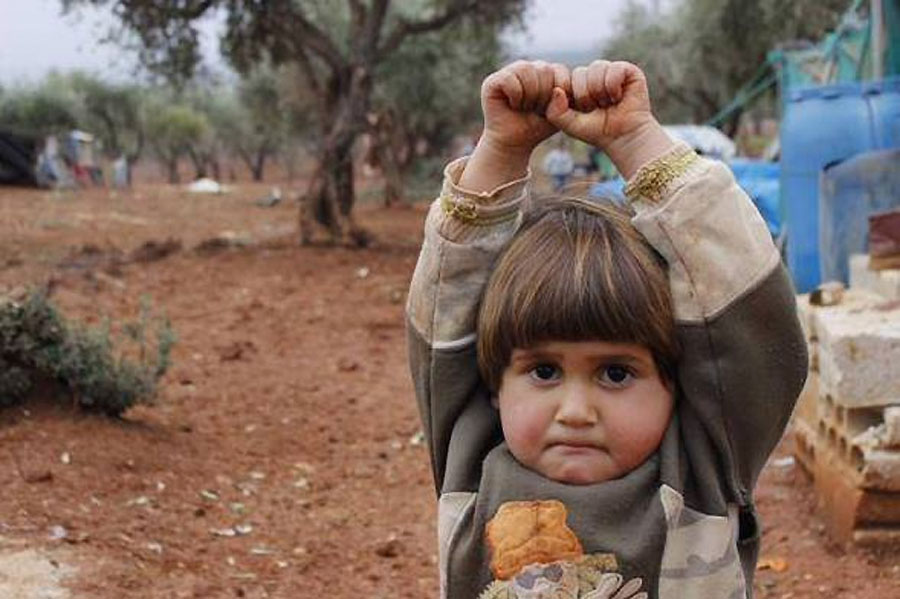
(847, 422)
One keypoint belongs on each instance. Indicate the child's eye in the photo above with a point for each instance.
(616, 375)
(544, 372)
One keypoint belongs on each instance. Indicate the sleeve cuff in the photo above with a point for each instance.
(657, 179)
(481, 208)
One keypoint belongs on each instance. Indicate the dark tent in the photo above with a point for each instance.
(18, 156)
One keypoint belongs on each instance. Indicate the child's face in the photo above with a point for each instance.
(583, 412)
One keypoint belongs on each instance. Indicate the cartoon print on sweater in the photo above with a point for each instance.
(535, 555)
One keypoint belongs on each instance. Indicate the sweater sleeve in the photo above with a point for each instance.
(743, 360)
(464, 233)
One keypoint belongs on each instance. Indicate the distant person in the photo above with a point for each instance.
(558, 164)
(600, 386)
(120, 172)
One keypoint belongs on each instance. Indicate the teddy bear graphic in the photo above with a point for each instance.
(535, 555)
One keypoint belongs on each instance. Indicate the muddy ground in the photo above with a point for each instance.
(282, 457)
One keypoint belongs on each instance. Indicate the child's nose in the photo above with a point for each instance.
(576, 407)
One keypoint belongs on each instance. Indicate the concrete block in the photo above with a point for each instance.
(852, 300)
(804, 315)
(892, 426)
(804, 423)
(881, 472)
(885, 283)
(859, 354)
(807, 315)
(805, 442)
(853, 514)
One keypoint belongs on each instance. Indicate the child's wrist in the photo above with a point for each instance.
(492, 164)
(639, 147)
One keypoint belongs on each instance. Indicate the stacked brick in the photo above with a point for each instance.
(847, 423)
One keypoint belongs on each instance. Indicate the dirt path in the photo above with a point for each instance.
(282, 459)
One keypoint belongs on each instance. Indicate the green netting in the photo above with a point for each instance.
(892, 35)
(845, 54)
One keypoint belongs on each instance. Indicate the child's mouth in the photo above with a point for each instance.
(576, 447)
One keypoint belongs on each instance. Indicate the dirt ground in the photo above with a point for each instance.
(282, 458)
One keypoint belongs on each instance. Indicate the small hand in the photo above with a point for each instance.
(514, 101)
(610, 100)
(610, 109)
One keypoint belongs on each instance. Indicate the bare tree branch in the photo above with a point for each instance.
(312, 78)
(374, 26)
(406, 28)
(316, 40)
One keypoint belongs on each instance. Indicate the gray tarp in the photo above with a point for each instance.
(850, 191)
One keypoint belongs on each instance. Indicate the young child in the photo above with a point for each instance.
(599, 386)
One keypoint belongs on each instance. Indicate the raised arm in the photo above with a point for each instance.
(743, 358)
(466, 228)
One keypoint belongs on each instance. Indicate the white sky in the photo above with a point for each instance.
(35, 37)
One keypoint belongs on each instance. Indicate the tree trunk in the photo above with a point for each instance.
(386, 150)
(216, 168)
(330, 196)
(172, 167)
(329, 199)
(259, 165)
(199, 163)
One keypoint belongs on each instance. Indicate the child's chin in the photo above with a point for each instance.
(579, 476)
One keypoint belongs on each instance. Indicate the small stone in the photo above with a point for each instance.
(347, 365)
(389, 549)
(223, 532)
(41, 476)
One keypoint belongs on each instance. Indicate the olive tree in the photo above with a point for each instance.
(336, 45)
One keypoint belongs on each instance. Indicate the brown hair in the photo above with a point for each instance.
(576, 270)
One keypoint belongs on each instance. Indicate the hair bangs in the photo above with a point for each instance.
(576, 273)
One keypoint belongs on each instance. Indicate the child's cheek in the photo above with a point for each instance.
(524, 427)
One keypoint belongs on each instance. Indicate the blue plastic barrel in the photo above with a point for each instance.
(823, 126)
(761, 180)
(884, 99)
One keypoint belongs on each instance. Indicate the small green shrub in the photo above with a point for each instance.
(38, 344)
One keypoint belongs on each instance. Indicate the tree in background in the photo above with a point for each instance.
(264, 128)
(113, 112)
(698, 56)
(38, 111)
(337, 47)
(176, 130)
(419, 104)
